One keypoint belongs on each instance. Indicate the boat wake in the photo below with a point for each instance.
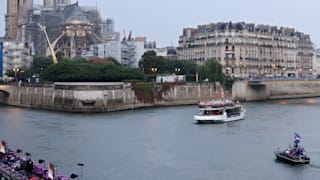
(316, 166)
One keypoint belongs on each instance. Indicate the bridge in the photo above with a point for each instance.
(262, 81)
(281, 88)
(6, 89)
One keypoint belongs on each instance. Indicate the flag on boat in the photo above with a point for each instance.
(216, 96)
(3, 147)
(50, 171)
(297, 136)
(222, 93)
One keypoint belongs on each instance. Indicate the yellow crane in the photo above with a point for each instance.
(53, 54)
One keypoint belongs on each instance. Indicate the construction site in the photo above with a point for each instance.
(70, 27)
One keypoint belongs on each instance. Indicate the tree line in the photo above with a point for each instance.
(102, 70)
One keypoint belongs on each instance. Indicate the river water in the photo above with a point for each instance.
(166, 144)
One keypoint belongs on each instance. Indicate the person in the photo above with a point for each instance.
(286, 151)
(29, 167)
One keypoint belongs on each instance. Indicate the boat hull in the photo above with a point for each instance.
(201, 119)
(289, 160)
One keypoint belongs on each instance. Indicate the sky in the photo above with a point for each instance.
(163, 20)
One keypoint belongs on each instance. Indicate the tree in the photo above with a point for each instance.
(213, 71)
(40, 63)
(72, 71)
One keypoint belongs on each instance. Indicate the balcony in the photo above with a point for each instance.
(230, 58)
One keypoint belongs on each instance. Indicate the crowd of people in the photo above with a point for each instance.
(16, 161)
(19, 165)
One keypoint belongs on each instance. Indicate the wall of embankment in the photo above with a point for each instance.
(130, 96)
(277, 89)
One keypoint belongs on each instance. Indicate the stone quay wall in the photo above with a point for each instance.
(276, 89)
(93, 100)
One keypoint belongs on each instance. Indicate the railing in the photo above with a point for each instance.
(281, 78)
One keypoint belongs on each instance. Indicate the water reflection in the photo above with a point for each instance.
(307, 101)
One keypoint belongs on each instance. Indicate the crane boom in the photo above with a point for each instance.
(53, 54)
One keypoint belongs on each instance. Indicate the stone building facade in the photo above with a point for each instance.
(16, 55)
(249, 50)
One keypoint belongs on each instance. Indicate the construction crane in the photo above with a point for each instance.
(53, 54)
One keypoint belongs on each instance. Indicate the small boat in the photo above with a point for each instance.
(282, 156)
(293, 154)
(219, 111)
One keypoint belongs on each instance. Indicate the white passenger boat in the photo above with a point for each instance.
(219, 111)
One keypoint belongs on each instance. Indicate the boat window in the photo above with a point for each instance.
(201, 112)
(206, 112)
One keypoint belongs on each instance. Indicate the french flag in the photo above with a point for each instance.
(229, 52)
(297, 136)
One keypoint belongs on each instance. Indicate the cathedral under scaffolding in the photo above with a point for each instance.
(71, 29)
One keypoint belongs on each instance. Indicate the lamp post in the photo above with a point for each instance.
(310, 72)
(283, 71)
(15, 70)
(154, 71)
(273, 65)
(81, 172)
(300, 72)
(177, 70)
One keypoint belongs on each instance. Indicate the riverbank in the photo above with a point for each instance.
(106, 97)
(118, 96)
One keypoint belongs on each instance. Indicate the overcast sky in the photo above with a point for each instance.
(163, 20)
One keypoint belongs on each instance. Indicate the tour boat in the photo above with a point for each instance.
(219, 111)
(293, 154)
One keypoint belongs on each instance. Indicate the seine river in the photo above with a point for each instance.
(166, 144)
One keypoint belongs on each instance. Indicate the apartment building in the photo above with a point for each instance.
(16, 55)
(245, 49)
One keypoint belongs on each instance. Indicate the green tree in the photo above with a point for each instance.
(166, 66)
(68, 71)
(213, 71)
(60, 56)
(40, 63)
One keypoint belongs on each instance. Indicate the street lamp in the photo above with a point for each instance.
(15, 70)
(81, 173)
(154, 70)
(310, 71)
(73, 176)
(177, 70)
(300, 72)
(273, 65)
(283, 71)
